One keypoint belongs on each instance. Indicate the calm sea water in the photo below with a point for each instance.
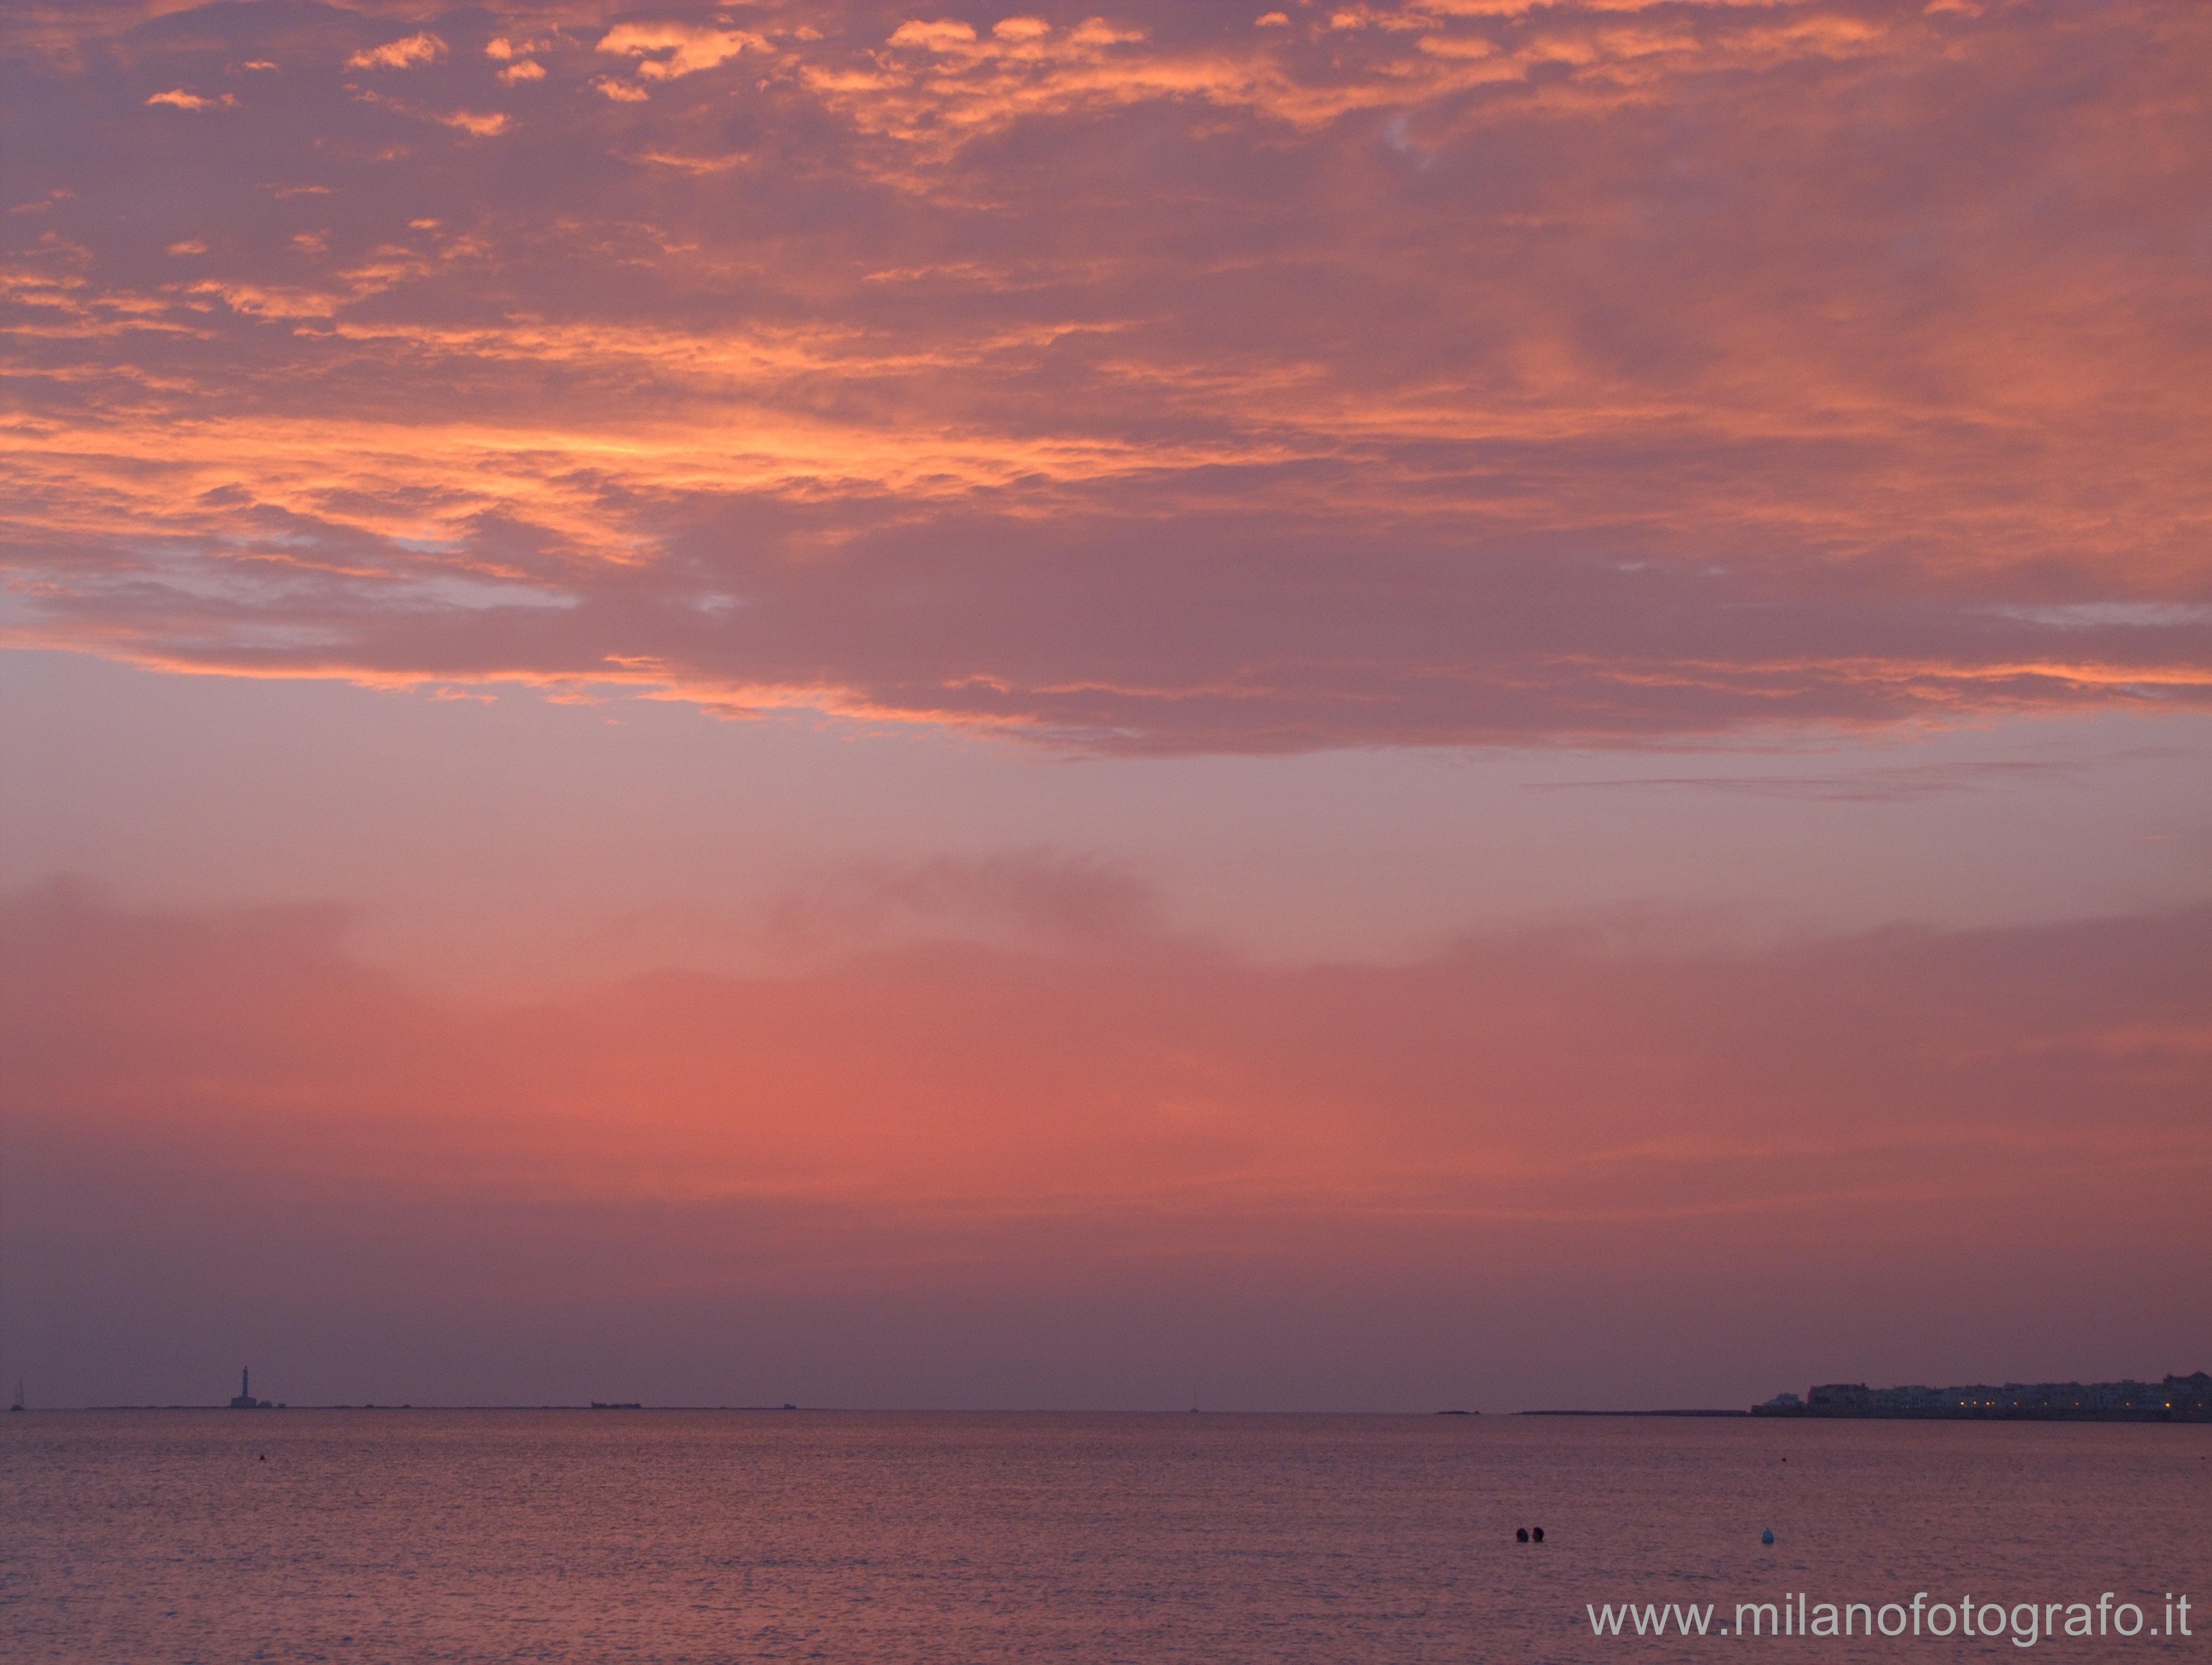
(694, 1536)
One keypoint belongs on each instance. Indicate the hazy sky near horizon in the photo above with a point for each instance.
(1492, 701)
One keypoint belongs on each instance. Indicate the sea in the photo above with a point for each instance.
(378, 1537)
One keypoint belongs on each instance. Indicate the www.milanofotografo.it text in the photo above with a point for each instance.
(2024, 1623)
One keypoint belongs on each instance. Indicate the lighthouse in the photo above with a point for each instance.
(246, 1401)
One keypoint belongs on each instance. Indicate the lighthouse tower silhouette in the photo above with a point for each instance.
(246, 1401)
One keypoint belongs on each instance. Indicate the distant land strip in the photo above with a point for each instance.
(630, 1405)
(1635, 1412)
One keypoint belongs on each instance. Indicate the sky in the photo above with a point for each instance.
(1475, 703)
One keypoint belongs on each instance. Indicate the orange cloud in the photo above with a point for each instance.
(689, 48)
(484, 125)
(177, 97)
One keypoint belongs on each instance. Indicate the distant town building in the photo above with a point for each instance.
(2176, 1399)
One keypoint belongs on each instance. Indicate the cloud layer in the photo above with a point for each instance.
(1154, 379)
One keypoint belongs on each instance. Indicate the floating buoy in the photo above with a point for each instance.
(1538, 1535)
(1767, 1536)
(1522, 1536)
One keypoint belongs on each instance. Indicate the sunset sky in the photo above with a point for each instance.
(1474, 702)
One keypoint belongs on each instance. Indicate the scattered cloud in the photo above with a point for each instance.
(177, 97)
(689, 164)
(945, 34)
(1897, 784)
(404, 53)
(2142, 615)
(667, 50)
(484, 125)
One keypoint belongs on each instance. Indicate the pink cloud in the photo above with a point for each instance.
(1563, 1075)
(1102, 1103)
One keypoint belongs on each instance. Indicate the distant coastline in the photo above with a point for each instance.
(2176, 1399)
